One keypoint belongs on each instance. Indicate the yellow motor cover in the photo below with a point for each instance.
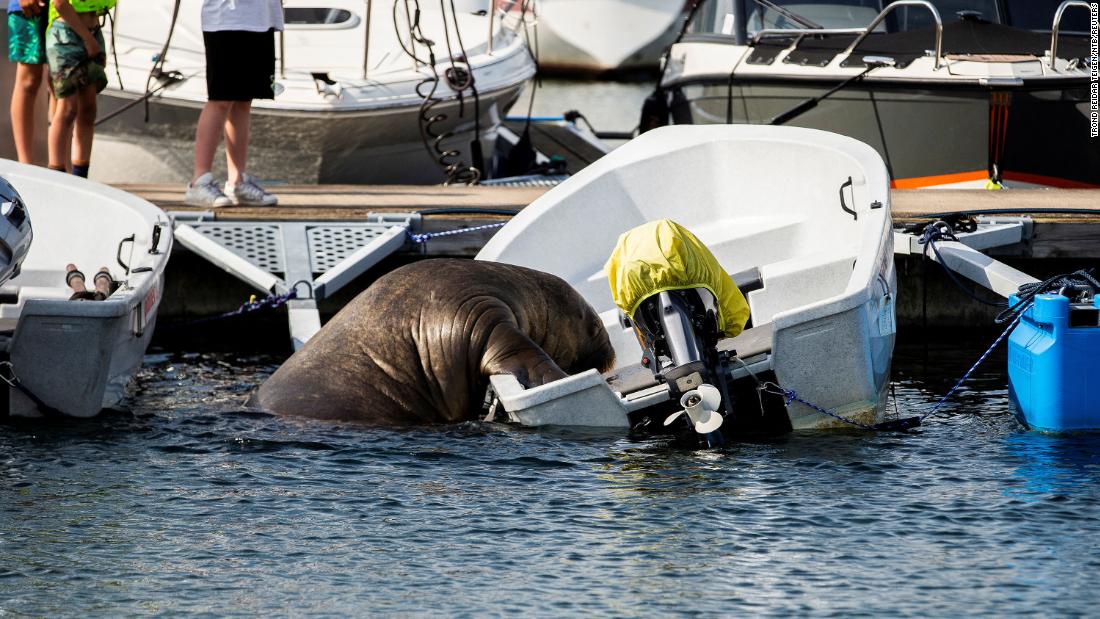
(663, 255)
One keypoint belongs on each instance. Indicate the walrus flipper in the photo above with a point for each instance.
(510, 351)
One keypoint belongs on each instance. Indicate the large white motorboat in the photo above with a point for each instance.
(597, 36)
(812, 250)
(76, 357)
(352, 103)
(951, 93)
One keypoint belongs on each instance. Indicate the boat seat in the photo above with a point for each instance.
(748, 280)
(800, 280)
(12, 298)
(749, 343)
(17, 294)
(630, 379)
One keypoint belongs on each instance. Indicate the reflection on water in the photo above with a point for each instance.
(187, 505)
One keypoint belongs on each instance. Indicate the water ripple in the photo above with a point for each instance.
(191, 504)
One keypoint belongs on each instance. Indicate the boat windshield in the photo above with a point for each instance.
(717, 17)
(1039, 15)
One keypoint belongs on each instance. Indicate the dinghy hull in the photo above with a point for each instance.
(814, 258)
(78, 357)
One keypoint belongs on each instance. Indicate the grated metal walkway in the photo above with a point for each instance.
(310, 260)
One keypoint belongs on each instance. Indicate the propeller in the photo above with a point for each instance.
(701, 405)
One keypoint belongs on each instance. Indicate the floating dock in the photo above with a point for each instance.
(1063, 235)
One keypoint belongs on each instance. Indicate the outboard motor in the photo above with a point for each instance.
(681, 302)
(679, 332)
(15, 231)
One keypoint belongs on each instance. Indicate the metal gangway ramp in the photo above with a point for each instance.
(310, 260)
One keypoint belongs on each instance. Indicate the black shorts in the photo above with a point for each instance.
(240, 65)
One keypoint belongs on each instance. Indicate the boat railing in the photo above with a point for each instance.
(896, 5)
(866, 30)
(366, 40)
(506, 7)
(1058, 23)
(490, 10)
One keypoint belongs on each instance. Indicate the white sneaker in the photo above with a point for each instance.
(205, 192)
(249, 193)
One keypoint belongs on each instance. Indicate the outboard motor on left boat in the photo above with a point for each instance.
(15, 231)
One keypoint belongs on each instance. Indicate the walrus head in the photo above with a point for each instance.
(597, 352)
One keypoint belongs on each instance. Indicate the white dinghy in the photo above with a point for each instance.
(351, 104)
(799, 217)
(77, 357)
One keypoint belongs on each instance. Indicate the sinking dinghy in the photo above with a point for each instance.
(799, 217)
(73, 357)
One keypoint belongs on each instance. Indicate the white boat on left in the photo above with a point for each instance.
(78, 357)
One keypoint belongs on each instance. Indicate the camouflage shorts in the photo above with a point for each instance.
(71, 69)
(27, 38)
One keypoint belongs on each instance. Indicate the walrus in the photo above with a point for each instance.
(418, 346)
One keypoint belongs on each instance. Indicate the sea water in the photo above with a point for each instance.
(188, 504)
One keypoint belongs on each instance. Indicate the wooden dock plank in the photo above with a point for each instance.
(350, 202)
(326, 202)
(1074, 231)
(918, 204)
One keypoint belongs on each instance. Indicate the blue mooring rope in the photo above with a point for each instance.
(790, 395)
(424, 237)
(273, 301)
(982, 358)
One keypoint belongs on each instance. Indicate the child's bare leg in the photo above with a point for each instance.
(61, 132)
(208, 135)
(237, 127)
(84, 131)
(28, 80)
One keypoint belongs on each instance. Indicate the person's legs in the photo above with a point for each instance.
(84, 130)
(238, 123)
(28, 80)
(203, 190)
(26, 48)
(241, 187)
(61, 132)
(208, 135)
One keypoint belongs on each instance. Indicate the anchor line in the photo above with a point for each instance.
(790, 395)
(1081, 281)
(424, 237)
(271, 301)
(902, 424)
(980, 360)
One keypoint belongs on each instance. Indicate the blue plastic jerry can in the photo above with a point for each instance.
(1054, 365)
